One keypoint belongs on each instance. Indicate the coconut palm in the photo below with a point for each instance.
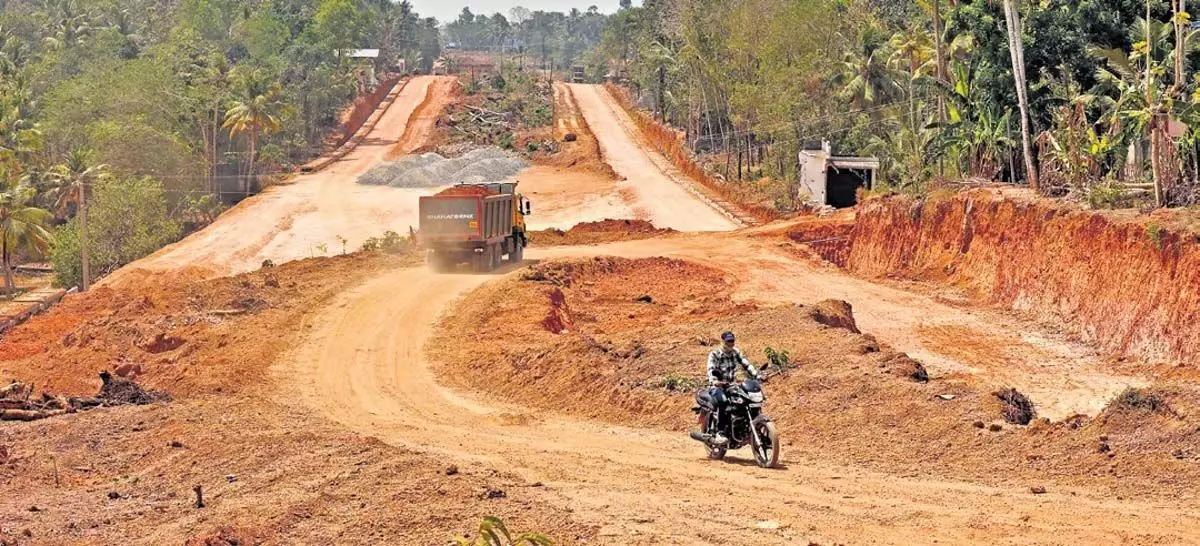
(867, 79)
(19, 135)
(22, 229)
(258, 112)
(69, 24)
(73, 186)
(1012, 19)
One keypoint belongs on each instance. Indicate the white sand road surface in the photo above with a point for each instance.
(640, 486)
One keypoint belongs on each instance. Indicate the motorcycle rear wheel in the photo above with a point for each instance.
(766, 452)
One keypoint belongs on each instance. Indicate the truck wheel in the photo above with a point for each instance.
(440, 263)
(518, 252)
(486, 261)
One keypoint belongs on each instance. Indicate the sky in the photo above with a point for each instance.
(448, 10)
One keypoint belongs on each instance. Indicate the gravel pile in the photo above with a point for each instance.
(431, 170)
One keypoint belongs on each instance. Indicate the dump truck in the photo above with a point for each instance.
(477, 224)
(578, 74)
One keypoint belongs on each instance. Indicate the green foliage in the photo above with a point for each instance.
(750, 81)
(507, 140)
(1155, 233)
(148, 86)
(391, 242)
(554, 39)
(1108, 194)
(492, 532)
(677, 382)
(127, 219)
(342, 23)
(779, 360)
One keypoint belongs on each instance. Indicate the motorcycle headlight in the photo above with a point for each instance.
(755, 396)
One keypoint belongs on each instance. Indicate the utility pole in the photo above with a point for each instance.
(83, 235)
(1012, 18)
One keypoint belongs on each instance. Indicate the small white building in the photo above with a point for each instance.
(826, 179)
(366, 57)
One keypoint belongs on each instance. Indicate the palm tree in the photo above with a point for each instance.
(73, 180)
(19, 135)
(258, 112)
(867, 79)
(69, 24)
(22, 228)
(912, 50)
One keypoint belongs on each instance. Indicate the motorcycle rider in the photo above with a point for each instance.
(723, 363)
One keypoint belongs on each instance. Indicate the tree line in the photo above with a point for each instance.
(1110, 88)
(160, 111)
(554, 39)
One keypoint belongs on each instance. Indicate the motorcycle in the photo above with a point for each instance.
(742, 423)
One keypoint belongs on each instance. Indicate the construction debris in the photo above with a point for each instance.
(18, 404)
(1017, 408)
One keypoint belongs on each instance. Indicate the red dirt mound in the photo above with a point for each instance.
(604, 231)
(175, 335)
(618, 226)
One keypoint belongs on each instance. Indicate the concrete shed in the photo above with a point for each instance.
(827, 179)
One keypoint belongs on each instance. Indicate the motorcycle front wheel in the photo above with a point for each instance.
(766, 444)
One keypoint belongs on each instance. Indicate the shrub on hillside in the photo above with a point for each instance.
(127, 219)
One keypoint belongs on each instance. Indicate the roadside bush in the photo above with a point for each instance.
(390, 242)
(127, 219)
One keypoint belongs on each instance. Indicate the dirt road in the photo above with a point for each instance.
(312, 215)
(655, 195)
(327, 212)
(653, 486)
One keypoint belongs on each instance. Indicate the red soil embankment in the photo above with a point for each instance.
(361, 110)
(1129, 286)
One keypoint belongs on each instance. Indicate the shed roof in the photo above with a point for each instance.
(362, 53)
(847, 162)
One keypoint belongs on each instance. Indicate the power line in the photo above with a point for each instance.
(830, 117)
